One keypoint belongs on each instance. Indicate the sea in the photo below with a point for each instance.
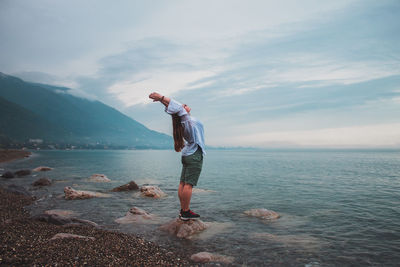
(337, 207)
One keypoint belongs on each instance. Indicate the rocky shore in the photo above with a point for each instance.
(10, 154)
(26, 241)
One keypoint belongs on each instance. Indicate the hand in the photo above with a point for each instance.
(155, 96)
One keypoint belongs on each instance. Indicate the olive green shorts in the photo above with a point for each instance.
(191, 167)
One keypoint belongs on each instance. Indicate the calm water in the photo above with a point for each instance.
(338, 208)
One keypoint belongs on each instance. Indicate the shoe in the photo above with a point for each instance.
(187, 215)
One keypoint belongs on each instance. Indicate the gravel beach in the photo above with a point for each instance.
(11, 154)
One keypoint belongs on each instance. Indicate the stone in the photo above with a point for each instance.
(16, 189)
(42, 169)
(21, 173)
(101, 178)
(71, 193)
(126, 187)
(65, 213)
(152, 191)
(263, 214)
(204, 257)
(184, 229)
(135, 215)
(67, 235)
(8, 175)
(42, 182)
(62, 220)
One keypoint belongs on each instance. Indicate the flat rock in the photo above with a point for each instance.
(8, 175)
(184, 229)
(99, 178)
(42, 169)
(126, 187)
(42, 182)
(21, 173)
(136, 215)
(204, 257)
(263, 214)
(64, 213)
(152, 191)
(71, 193)
(62, 220)
(16, 189)
(67, 235)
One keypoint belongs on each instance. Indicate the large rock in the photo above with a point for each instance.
(42, 169)
(21, 173)
(152, 191)
(8, 175)
(62, 220)
(184, 229)
(204, 257)
(67, 235)
(99, 178)
(42, 182)
(126, 187)
(71, 193)
(136, 215)
(263, 214)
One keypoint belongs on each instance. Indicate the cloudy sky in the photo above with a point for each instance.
(257, 73)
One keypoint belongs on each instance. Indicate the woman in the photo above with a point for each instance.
(185, 128)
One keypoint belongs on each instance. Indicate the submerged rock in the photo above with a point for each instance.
(184, 229)
(42, 169)
(62, 220)
(67, 235)
(21, 173)
(136, 215)
(263, 214)
(16, 189)
(64, 213)
(42, 182)
(8, 175)
(126, 187)
(152, 191)
(99, 178)
(71, 193)
(203, 257)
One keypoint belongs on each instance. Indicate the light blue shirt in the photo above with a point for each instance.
(193, 132)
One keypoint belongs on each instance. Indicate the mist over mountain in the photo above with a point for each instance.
(39, 111)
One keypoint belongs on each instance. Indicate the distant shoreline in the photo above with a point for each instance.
(7, 155)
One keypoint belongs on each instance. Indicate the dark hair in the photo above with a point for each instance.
(178, 133)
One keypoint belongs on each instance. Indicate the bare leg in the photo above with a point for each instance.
(180, 193)
(186, 196)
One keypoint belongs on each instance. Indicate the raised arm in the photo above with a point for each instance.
(157, 97)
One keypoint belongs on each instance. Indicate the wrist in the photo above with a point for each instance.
(162, 98)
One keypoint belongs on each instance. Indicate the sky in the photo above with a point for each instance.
(269, 74)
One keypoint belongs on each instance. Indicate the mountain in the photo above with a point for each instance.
(38, 111)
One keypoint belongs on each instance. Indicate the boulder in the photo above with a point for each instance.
(152, 191)
(67, 235)
(71, 193)
(126, 187)
(21, 173)
(8, 175)
(101, 178)
(42, 169)
(135, 215)
(184, 229)
(204, 257)
(62, 220)
(263, 214)
(42, 182)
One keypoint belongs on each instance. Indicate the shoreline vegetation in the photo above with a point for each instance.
(26, 241)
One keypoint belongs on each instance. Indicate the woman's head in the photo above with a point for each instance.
(178, 132)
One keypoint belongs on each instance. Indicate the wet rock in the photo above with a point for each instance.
(42, 182)
(42, 169)
(184, 229)
(21, 173)
(135, 215)
(71, 193)
(126, 187)
(67, 235)
(99, 178)
(62, 220)
(16, 189)
(64, 213)
(263, 214)
(152, 191)
(8, 175)
(203, 257)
